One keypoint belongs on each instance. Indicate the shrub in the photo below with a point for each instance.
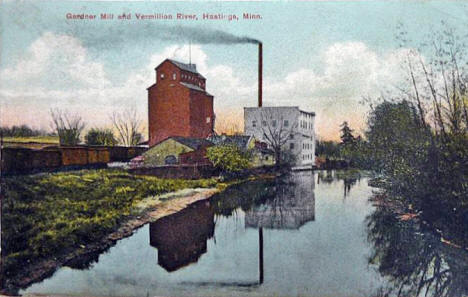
(228, 158)
(97, 136)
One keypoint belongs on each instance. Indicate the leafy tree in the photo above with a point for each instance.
(328, 149)
(346, 133)
(228, 158)
(68, 127)
(97, 136)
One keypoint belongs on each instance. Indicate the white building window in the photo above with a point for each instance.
(291, 146)
(254, 123)
(273, 123)
(286, 123)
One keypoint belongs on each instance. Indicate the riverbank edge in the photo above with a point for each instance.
(151, 213)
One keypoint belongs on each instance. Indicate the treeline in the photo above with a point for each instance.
(22, 131)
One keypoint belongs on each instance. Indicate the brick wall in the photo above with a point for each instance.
(175, 110)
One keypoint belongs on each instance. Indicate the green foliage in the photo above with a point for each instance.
(346, 134)
(45, 215)
(327, 149)
(422, 170)
(97, 136)
(228, 158)
(68, 127)
(21, 131)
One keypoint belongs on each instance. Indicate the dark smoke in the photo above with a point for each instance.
(149, 33)
(206, 36)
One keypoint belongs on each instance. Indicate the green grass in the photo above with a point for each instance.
(50, 214)
(40, 139)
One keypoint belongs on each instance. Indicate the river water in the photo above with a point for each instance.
(302, 235)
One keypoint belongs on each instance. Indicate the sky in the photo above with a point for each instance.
(322, 56)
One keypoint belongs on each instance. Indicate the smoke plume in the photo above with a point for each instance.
(149, 33)
(204, 36)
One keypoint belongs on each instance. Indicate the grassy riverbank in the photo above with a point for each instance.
(51, 214)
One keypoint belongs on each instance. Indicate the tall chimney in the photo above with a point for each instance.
(260, 74)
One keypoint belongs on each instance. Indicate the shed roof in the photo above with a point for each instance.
(194, 143)
(241, 141)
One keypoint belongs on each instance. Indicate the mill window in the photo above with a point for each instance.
(208, 120)
(174, 76)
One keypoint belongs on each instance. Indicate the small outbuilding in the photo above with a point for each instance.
(176, 150)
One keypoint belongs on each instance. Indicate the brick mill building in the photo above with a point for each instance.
(178, 104)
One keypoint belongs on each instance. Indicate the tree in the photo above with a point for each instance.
(347, 136)
(68, 127)
(97, 136)
(228, 157)
(277, 132)
(127, 123)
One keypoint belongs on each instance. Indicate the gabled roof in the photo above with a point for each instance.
(186, 67)
(194, 143)
(241, 141)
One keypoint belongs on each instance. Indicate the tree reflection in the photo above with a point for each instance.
(349, 177)
(413, 257)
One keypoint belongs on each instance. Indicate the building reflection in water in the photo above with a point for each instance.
(292, 206)
(181, 238)
(286, 203)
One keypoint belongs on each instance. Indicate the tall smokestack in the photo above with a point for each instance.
(260, 73)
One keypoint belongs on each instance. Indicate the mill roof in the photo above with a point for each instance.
(194, 143)
(194, 87)
(186, 67)
(241, 141)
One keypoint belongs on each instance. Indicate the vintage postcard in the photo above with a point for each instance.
(234, 148)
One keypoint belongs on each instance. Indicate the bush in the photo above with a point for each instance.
(228, 158)
(97, 136)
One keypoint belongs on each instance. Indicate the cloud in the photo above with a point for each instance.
(58, 72)
(350, 70)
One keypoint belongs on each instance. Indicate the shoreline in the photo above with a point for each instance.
(148, 210)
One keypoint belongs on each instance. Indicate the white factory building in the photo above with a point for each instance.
(278, 121)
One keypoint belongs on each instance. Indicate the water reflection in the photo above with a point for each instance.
(414, 259)
(283, 203)
(292, 206)
(181, 238)
(349, 177)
